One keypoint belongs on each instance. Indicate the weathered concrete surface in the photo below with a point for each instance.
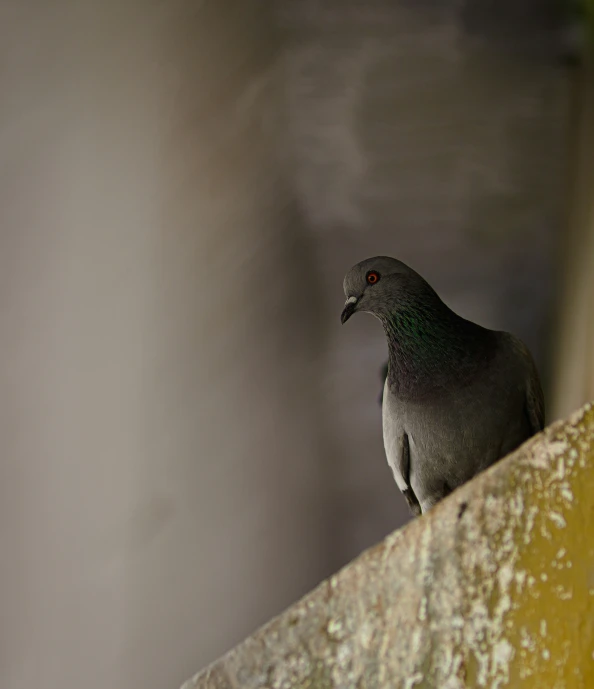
(493, 588)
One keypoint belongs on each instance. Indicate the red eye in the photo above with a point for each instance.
(372, 277)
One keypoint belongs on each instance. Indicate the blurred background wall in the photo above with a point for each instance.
(190, 440)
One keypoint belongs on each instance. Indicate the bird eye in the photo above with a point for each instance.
(372, 277)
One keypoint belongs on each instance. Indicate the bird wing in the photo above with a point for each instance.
(535, 405)
(404, 468)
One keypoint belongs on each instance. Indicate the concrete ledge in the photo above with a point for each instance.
(493, 588)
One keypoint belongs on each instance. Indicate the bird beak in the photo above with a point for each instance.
(349, 309)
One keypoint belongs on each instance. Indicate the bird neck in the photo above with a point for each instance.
(431, 348)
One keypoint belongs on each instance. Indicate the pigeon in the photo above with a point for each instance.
(457, 398)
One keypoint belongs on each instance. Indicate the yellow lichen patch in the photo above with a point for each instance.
(551, 618)
(524, 566)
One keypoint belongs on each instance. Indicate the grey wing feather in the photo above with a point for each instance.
(404, 468)
(535, 405)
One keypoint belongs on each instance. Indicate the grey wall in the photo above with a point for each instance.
(189, 439)
(161, 456)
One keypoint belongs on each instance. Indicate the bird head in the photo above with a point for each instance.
(376, 285)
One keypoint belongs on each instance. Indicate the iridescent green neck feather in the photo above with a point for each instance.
(431, 348)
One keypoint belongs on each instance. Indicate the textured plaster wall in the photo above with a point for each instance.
(145, 518)
(573, 362)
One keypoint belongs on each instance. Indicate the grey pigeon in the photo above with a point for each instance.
(457, 397)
